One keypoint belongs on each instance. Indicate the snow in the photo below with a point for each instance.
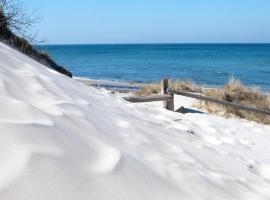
(62, 140)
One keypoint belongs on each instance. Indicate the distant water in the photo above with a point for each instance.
(208, 64)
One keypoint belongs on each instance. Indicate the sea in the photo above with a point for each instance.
(206, 64)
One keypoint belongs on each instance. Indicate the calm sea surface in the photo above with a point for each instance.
(208, 64)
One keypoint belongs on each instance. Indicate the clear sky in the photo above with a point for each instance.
(152, 21)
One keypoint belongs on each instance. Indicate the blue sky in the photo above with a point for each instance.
(152, 21)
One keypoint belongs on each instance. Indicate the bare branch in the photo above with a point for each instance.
(15, 17)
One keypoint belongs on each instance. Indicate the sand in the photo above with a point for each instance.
(63, 140)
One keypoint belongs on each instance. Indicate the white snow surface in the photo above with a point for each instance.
(62, 140)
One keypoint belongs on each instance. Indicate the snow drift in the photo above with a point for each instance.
(62, 140)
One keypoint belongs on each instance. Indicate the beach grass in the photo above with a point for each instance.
(154, 88)
(234, 91)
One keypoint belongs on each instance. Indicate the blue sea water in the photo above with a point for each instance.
(208, 64)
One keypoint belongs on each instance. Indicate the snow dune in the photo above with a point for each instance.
(62, 140)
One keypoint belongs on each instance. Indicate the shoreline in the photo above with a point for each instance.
(130, 86)
(126, 86)
(111, 85)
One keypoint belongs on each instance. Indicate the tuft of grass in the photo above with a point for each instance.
(237, 92)
(234, 91)
(149, 89)
(186, 85)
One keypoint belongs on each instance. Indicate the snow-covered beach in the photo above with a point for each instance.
(60, 139)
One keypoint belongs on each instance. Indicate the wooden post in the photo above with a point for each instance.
(168, 104)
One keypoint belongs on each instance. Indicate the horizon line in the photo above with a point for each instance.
(152, 43)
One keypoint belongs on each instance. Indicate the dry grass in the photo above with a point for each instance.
(149, 89)
(186, 85)
(21, 44)
(233, 91)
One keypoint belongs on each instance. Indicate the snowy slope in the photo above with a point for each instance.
(61, 140)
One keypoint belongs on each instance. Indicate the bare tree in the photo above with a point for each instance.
(15, 24)
(15, 17)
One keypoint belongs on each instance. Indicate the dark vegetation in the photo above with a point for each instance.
(14, 24)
